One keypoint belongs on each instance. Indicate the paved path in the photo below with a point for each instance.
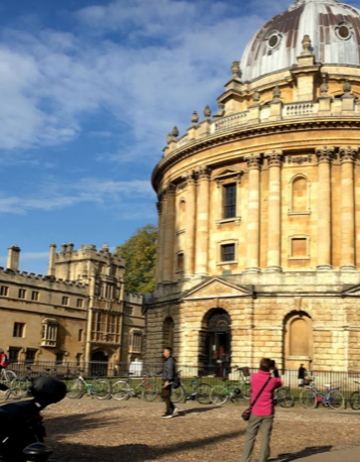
(344, 455)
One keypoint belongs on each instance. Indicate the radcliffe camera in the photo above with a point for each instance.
(180, 204)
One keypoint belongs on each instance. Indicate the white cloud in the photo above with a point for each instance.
(56, 195)
(171, 57)
(27, 257)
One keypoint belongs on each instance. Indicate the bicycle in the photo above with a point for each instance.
(201, 392)
(100, 388)
(311, 397)
(235, 391)
(20, 386)
(7, 376)
(147, 387)
(283, 397)
(355, 399)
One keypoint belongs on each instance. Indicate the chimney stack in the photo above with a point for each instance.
(13, 258)
(52, 259)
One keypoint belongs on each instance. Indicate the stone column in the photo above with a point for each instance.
(347, 261)
(52, 260)
(253, 219)
(202, 223)
(169, 233)
(159, 247)
(190, 225)
(324, 209)
(274, 212)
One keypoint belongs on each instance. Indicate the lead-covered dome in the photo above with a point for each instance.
(333, 27)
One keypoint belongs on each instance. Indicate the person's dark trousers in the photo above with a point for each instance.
(166, 396)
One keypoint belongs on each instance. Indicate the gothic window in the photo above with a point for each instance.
(229, 199)
(22, 293)
(135, 342)
(4, 291)
(300, 195)
(19, 330)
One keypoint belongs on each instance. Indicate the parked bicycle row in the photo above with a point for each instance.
(148, 387)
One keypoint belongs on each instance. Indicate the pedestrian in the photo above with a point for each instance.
(262, 412)
(3, 365)
(168, 375)
(301, 375)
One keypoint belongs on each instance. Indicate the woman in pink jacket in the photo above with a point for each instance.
(262, 413)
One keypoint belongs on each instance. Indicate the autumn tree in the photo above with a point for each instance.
(140, 254)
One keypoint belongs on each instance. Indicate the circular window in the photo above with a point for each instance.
(344, 30)
(274, 40)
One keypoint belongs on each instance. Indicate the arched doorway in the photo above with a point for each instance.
(298, 340)
(99, 363)
(215, 342)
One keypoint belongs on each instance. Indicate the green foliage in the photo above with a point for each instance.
(140, 254)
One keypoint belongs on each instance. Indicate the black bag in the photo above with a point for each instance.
(247, 413)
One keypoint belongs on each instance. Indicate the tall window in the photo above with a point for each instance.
(14, 354)
(65, 301)
(79, 303)
(22, 293)
(4, 291)
(105, 327)
(59, 358)
(35, 296)
(180, 262)
(30, 356)
(228, 252)
(19, 330)
(229, 200)
(135, 342)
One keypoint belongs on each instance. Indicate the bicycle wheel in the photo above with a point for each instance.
(308, 399)
(203, 393)
(101, 389)
(120, 390)
(75, 388)
(219, 395)
(8, 377)
(19, 388)
(246, 390)
(150, 390)
(284, 397)
(355, 400)
(177, 394)
(336, 400)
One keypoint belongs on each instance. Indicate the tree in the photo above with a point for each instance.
(140, 254)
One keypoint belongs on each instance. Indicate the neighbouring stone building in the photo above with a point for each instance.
(78, 311)
(259, 205)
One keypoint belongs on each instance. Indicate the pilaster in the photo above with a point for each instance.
(169, 234)
(190, 224)
(253, 220)
(274, 211)
(324, 208)
(202, 225)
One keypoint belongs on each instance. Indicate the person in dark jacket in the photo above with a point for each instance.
(301, 375)
(168, 374)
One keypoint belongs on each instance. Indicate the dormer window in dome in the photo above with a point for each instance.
(274, 40)
(344, 30)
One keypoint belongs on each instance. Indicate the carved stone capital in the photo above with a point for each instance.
(348, 154)
(204, 173)
(253, 161)
(325, 154)
(189, 177)
(274, 158)
(171, 189)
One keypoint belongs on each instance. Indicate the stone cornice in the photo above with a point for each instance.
(250, 132)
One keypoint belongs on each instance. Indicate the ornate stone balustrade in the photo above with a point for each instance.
(228, 123)
(300, 109)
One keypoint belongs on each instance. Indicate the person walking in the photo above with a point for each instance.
(301, 375)
(3, 365)
(168, 374)
(262, 412)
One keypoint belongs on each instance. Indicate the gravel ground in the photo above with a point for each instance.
(132, 431)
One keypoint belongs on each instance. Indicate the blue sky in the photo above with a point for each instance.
(89, 90)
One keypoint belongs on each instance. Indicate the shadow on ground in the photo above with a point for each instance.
(59, 428)
(307, 452)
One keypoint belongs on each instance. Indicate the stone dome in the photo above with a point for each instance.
(333, 27)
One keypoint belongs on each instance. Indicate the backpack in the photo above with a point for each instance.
(3, 360)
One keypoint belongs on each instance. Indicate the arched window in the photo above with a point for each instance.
(168, 333)
(300, 194)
